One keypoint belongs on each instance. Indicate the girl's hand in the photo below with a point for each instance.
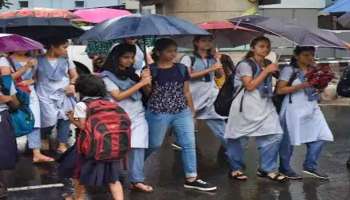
(217, 67)
(70, 115)
(146, 80)
(70, 90)
(271, 68)
(31, 63)
(146, 73)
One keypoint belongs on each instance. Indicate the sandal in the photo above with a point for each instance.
(276, 176)
(238, 176)
(43, 159)
(144, 188)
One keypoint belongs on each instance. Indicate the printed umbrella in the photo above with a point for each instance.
(13, 42)
(40, 28)
(298, 34)
(98, 15)
(225, 33)
(38, 12)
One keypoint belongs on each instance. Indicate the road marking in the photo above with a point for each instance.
(35, 187)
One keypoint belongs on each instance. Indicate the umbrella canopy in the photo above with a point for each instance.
(141, 26)
(339, 6)
(344, 20)
(227, 34)
(98, 15)
(298, 34)
(13, 42)
(39, 28)
(38, 12)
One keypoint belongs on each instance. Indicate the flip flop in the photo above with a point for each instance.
(238, 176)
(136, 188)
(277, 176)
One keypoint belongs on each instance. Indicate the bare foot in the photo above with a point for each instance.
(41, 158)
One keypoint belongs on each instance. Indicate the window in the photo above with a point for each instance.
(79, 4)
(23, 4)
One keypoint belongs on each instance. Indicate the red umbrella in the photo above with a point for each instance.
(38, 12)
(98, 15)
(227, 34)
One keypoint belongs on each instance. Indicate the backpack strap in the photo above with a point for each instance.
(254, 67)
(291, 80)
(182, 69)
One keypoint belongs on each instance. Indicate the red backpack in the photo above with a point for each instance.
(107, 131)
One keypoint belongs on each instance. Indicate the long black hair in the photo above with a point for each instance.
(160, 45)
(195, 48)
(254, 42)
(112, 62)
(298, 50)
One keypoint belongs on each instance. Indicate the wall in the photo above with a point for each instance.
(298, 4)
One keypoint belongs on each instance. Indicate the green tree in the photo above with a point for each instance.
(5, 3)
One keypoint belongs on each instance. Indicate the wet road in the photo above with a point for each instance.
(164, 172)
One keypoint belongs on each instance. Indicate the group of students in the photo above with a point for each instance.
(172, 95)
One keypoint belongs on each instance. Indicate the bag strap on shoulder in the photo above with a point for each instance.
(291, 80)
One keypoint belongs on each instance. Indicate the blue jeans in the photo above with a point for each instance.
(63, 130)
(217, 126)
(136, 165)
(34, 139)
(183, 125)
(268, 146)
(312, 154)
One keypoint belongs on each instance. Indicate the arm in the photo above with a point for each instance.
(251, 83)
(188, 96)
(200, 74)
(29, 65)
(283, 88)
(121, 95)
(5, 99)
(14, 103)
(73, 75)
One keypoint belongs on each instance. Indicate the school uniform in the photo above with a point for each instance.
(34, 138)
(52, 78)
(8, 146)
(139, 126)
(204, 92)
(303, 123)
(253, 114)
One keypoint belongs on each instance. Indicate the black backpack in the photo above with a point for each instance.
(228, 92)
(278, 99)
(343, 88)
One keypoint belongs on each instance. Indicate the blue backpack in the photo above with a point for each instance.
(22, 118)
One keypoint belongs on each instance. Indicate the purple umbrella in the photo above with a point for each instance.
(13, 42)
(298, 34)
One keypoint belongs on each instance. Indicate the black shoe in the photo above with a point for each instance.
(292, 175)
(200, 185)
(315, 174)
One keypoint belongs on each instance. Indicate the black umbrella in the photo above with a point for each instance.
(40, 28)
(298, 34)
(142, 27)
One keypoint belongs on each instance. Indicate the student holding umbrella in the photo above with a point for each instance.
(123, 86)
(56, 77)
(23, 70)
(253, 114)
(301, 116)
(204, 67)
